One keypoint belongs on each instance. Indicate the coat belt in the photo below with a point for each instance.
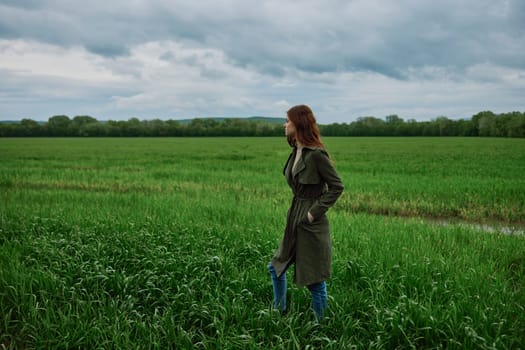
(298, 198)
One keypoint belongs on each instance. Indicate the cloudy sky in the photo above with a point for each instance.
(116, 59)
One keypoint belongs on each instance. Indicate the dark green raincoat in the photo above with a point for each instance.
(315, 186)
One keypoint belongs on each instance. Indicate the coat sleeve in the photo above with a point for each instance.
(335, 186)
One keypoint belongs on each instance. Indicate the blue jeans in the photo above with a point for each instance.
(317, 290)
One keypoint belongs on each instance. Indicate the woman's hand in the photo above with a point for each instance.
(310, 218)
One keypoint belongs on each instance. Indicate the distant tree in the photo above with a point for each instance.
(80, 120)
(173, 128)
(263, 129)
(485, 122)
(487, 125)
(93, 129)
(515, 126)
(444, 126)
(154, 127)
(58, 125)
(132, 127)
(28, 123)
(200, 127)
(430, 128)
(83, 125)
(29, 127)
(466, 128)
(336, 129)
(393, 119)
(409, 128)
(394, 125)
(369, 126)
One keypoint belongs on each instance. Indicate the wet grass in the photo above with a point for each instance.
(163, 243)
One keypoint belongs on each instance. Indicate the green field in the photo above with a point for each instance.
(164, 243)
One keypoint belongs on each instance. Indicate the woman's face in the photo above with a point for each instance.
(289, 128)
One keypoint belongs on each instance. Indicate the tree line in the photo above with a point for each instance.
(484, 123)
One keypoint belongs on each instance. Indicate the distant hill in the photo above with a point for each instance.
(18, 122)
(270, 120)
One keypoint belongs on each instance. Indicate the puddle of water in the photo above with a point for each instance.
(489, 228)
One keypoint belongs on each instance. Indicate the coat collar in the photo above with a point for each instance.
(298, 167)
(311, 148)
(300, 162)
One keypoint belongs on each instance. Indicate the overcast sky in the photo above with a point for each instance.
(116, 59)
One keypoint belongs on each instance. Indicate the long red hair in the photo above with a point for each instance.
(306, 130)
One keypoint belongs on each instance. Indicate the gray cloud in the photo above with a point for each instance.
(292, 48)
(398, 34)
(322, 36)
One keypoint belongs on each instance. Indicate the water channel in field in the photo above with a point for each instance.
(492, 227)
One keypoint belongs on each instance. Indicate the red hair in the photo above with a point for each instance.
(306, 130)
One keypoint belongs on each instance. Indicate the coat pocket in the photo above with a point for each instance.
(320, 221)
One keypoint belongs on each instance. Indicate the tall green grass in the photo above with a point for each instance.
(164, 243)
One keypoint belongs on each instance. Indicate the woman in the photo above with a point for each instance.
(316, 187)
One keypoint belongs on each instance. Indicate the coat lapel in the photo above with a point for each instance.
(299, 166)
(287, 162)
